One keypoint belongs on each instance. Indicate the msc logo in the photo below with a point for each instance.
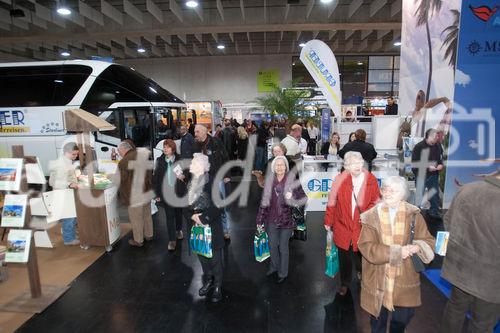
(319, 185)
(489, 48)
(484, 13)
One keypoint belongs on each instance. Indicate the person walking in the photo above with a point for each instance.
(389, 281)
(169, 183)
(203, 211)
(473, 223)
(354, 191)
(275, 217)
(432, 165)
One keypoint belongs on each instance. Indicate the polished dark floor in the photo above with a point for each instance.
(151, 290)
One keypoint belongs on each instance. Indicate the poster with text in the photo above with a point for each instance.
(474, 138)
(14, 210)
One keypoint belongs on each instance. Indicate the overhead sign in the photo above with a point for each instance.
(268, 80)
(322, 65)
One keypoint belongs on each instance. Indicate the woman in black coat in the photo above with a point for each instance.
(204, 212)
(169, 183)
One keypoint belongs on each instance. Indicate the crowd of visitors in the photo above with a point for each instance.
(379, 235)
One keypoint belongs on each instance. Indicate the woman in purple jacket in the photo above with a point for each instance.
(275, 214)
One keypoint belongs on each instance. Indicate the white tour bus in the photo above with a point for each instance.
(34, 95)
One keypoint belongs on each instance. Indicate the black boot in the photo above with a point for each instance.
(207, 285)
(216, 295)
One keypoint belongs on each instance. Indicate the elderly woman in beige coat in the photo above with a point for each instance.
(389, 281)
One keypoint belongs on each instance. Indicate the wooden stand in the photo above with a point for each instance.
(34, 301)
(98, 225)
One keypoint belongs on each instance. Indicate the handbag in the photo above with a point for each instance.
(417, 262)
(300, 231)
(332, 256)
(200, 241)
(261, 246)
(298, 213)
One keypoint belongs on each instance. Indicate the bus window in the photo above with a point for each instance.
(137, 126)
(41, 85)
(110, 137)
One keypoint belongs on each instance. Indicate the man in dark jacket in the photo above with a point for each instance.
(187, 142)
(229, 138)
(391, 109)
(428, 155)
(217, 157)
(135, 179)
(366, 149)
(472, 263)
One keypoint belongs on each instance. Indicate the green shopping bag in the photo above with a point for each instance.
(201, 240)
(261, 246)
(332, 256)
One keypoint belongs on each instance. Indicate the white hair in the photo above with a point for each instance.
(396, 183)
(352, 157)
(202, 159)
(277, 158)
(124, 145)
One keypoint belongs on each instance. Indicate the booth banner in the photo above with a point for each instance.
(319, 60)
(317, 186)
(325, 125)
(474, 140)
(428, 37)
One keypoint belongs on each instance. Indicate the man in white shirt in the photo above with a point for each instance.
(292, 141)
(62, 176)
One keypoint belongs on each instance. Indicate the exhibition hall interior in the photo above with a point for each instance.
(249, 166)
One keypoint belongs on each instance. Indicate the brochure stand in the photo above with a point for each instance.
(98, 223)
(39, 297)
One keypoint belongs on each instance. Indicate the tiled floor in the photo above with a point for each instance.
(151, 290)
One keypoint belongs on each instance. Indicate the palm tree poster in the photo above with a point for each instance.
(428, 55)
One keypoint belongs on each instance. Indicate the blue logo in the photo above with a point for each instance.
(14, 117)
(317, 185)
(322, 68)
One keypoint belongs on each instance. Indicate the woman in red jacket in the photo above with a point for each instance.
(354, 191)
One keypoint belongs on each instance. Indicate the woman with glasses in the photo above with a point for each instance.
(354, 191)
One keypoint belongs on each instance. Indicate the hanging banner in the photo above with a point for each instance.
(474, 141)
(426, 79)
(325, 125)
(322, 65)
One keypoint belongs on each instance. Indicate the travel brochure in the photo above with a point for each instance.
(18, 246)
(34, 173)
(14, 210)
(10, 174)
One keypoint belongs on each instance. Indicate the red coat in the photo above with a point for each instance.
(339, 209)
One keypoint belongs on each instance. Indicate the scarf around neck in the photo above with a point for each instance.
(392, 234)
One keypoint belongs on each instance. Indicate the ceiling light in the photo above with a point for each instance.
(65, 11)
(58, 81)
(302, 44)
(326, 1)
(192, 4)
(360, 63)
(221, 47)
(397, 43)
(153, 90)
(141, 50)
(65, 53)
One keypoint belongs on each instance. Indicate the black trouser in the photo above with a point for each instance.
(311, 147)
(484, 315)
(400, 319)
(346, 259)
(212, 267)
(174, 220)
